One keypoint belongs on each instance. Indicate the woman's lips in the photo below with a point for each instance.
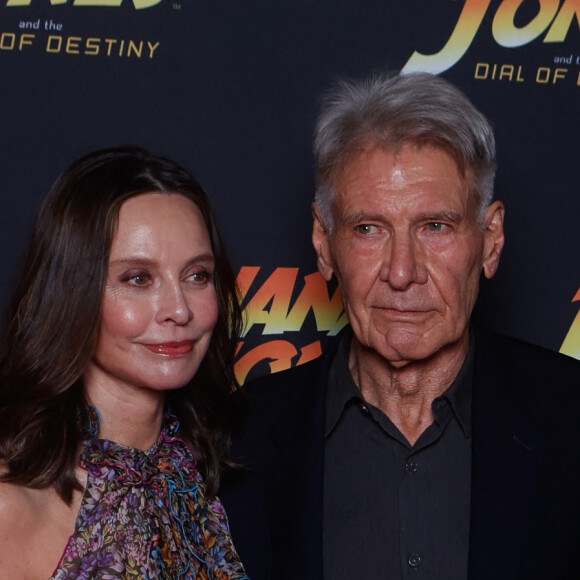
(171, 348)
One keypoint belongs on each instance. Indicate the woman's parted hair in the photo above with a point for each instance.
(53, 323)
(417, 109)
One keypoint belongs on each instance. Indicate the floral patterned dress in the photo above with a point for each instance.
(144, 515)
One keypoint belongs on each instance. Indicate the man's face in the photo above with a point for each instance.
(407, 251)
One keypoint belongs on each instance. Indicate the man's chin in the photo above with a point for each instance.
(402, 347)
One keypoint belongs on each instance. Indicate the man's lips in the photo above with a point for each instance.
(404, 312)
(172, 348)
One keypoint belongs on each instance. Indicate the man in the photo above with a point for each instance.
(420, 446)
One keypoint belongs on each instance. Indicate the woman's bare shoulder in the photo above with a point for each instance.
(13, 498)
(15, 521)
(15, 509)
(31, 542)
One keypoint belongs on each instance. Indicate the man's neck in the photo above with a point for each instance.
(405, 392)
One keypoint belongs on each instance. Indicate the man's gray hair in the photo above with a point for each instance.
(417, 109)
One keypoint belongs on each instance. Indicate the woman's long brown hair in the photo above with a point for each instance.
(54, 317)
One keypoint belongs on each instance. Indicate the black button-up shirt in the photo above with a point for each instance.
(394, 510)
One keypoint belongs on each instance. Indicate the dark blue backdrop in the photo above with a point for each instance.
(231, 89)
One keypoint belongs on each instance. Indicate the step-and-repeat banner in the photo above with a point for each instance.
(231, 89)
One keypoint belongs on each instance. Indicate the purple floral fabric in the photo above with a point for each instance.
(144, 515)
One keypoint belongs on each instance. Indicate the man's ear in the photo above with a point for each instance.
(493, 237)
(321, 246)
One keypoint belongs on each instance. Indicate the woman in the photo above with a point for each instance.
(116, 380)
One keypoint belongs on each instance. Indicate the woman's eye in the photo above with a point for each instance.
(138, 279)
(366, 229)
(201, 277)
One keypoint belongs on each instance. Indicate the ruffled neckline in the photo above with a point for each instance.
(135, 466)
(144, 514)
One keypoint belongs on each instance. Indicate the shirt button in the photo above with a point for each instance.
(364, 409)
(414, 560)
(411, 466)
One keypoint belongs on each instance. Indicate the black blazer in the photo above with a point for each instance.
(525, 512)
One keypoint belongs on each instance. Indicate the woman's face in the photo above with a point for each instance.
(159, 303)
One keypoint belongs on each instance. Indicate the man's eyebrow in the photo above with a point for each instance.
(447, 215)
(358, 217)
(361, 216)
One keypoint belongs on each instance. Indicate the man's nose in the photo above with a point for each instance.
(403, 264)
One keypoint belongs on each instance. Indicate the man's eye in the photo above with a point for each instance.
(436, 226)
(366, 229)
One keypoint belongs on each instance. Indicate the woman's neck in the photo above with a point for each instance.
(131, 419)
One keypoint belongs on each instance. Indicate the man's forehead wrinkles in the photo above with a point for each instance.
(410, 203)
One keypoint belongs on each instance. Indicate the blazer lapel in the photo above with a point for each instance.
(298, 440)
(505, 460)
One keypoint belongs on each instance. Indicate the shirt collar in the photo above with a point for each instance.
(459, 393)
(343, 390)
